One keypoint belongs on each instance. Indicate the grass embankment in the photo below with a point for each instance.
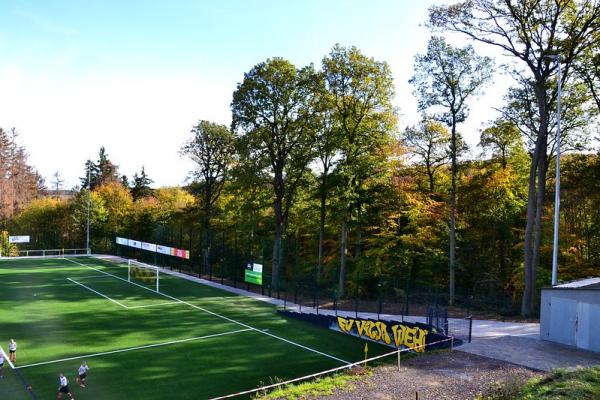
(319, 387)
(580, 384)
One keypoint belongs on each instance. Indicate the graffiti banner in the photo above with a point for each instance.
(414, 336)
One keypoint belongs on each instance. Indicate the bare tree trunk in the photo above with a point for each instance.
(358, 233)
(322, 227)
(278, 185)
(277, 245)
(541, 185)
(343, 257)
(321, 238)
(527, 301)
(453, 216)
(431, 182)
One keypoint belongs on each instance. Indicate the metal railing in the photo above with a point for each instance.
(52, 252)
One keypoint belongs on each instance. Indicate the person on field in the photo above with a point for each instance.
(12, 350)
(82, 374)
(1, 365)
(64, 387)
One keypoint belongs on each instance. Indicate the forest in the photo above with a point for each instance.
(315, 179)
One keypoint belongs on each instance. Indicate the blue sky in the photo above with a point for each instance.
(135, 76)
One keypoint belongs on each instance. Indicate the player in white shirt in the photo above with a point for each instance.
(1, 365)
(12, 350)
(64, 387)
(82, 372)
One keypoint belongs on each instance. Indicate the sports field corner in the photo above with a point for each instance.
(186, 341)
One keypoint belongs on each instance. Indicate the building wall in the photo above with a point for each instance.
(571, 317)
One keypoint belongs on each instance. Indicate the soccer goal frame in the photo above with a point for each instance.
(136, 264)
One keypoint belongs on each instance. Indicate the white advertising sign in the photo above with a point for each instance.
(122, 241)
(18, 239)
(135, 243)
(163, 250)
(148, 246)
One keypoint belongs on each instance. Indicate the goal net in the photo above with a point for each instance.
(143, 274)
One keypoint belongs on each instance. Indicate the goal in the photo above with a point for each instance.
(143, 274)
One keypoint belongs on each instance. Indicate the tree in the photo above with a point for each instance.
(141, 185)
(360, 92)
(447, 77)
(272, 111)
(57, 183)
(19, 182)
(211, 147)
(576, 112)
(327, 149)
(117, 203)
(503, 139)
(529, 31)
(588, 69)
(429, 142)
(101, 172)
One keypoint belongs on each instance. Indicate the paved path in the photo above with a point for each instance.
(513, 342)
(531, 352)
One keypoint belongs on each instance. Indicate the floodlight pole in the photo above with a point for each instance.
(87, 240)
(557, 186)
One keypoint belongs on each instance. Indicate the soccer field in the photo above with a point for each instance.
(190, 341)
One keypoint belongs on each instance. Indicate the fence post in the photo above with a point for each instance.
(356, 296)
(335, 302)
(470, 327)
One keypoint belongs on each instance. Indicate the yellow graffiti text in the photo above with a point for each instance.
(411, 337)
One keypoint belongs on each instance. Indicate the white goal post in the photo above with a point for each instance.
(137, 271)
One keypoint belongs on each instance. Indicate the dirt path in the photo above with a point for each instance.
(447, 375)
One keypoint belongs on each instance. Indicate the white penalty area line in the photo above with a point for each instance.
(98, 293)
(115, 301)
(148, 346)
(153, 305)
(6, 358)
(218, 315)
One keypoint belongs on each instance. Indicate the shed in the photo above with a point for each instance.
(570, 314)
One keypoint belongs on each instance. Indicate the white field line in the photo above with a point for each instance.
(98, 293)
(218, 315)
(154, 305)
(6, 358)
(148, 346)
(93, 276)
(113, 300)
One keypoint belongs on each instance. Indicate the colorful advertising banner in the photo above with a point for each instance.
(180, 253)
(156, 248)
(253, 273)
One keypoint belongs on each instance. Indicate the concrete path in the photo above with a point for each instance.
(531, 352)
(514, 342)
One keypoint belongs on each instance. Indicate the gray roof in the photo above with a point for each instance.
(589, 283)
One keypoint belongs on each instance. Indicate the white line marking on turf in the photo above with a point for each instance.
(216, 315)
(154, 305)
(6, 358)
(147, 346)
(98, 293)
(93, 276)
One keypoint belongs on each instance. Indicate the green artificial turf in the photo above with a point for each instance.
(55, 310)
